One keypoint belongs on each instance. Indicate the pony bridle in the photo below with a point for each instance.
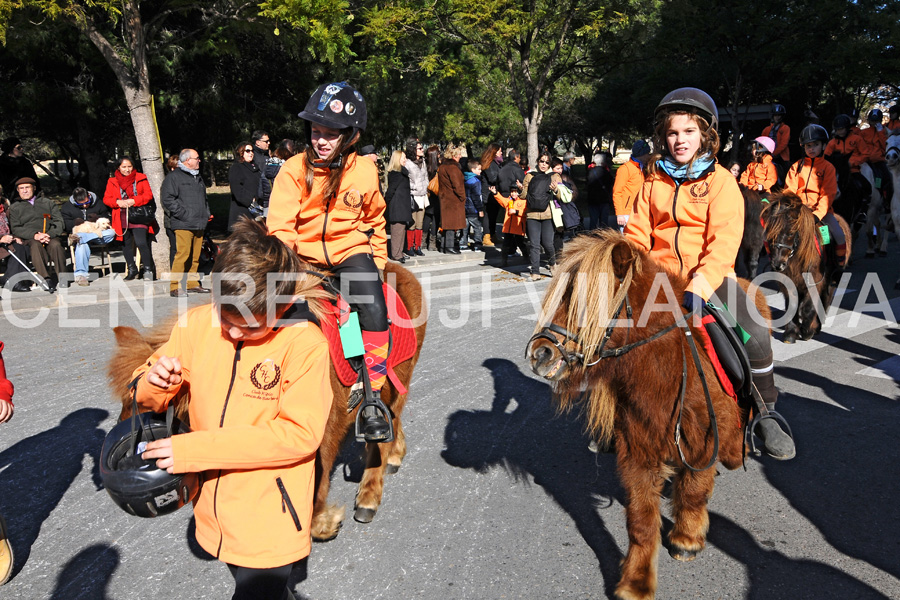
(789, 248)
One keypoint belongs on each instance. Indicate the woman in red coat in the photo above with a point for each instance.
(452, 193)
(125, 189)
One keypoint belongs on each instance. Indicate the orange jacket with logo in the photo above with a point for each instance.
(513, 223)
(852, 145)
(258, 412)
(782, 137)
(627, 186)
(693, 229)
(875, 143)
(326, 231)
(763, 174)
(815, 181)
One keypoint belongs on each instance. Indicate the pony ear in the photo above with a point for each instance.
(622, 259)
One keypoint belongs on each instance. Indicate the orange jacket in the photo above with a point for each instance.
(627, 186)
(113, 193)
(693, 229)
(763, 174)
(513, 223)
(326, 231)
(782, 137)
(875, 143)
(258, 412)
(852, 145)
(893, 125)
(815, 181)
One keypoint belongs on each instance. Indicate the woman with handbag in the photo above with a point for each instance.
(243, 178)
(129, 196)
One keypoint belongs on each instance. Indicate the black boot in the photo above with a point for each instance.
(777, 444)
(147, 274)
(374, 427)
(132, 273)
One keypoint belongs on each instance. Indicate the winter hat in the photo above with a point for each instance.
(640, 148)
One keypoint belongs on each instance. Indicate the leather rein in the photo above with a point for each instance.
(550, 332)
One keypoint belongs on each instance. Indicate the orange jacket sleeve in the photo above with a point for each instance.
(626, 187)
(769, 175)
(285, 202)
(781, 142)
(639, 225)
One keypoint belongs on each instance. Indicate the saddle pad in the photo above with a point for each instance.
(403, 340)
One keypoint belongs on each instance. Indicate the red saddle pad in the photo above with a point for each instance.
(403, 340)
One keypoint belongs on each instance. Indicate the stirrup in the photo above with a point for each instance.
(373, 401)
(763, 413)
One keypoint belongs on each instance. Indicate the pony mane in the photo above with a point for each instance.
(786, 215)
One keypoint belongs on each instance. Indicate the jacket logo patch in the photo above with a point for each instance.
(700, 190)
(265, 375)
(352, 199)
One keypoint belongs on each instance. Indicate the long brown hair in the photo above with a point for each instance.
(487, 157)
(709, 139)
(342, 149)
(432, 160)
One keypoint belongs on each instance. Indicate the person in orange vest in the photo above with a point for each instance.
(814, 179)
(689, 217)
(875, 138)
(326, 204)
(629, 178)
(6, 412)
(514, 209)
(893, 124)
(781, 135)
(761, 174)
(845, 152)
(260, 387)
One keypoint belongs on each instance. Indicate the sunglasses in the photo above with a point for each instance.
(544, 162)
(246, 150)
(266, 141)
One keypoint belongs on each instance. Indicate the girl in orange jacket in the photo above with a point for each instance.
(326, 204)
(814, 179)
(689, 218)
(761, 175)
(514, 209)
(260, 397)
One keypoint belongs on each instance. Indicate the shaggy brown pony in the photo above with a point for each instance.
(796, 250)
(134, 348)
(634, 397)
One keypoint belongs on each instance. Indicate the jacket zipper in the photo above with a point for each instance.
(324, 227)
(234, 364)
(677, 228)
(286, 504)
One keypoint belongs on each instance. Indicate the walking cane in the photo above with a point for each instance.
(39, 280)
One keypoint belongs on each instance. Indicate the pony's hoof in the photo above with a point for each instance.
(326, 524)
(882, 253)
(391, 469)
(364, 515)
(683, 554)
(789, 338)
(870, 254)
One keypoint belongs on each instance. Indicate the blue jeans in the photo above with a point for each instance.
(83, 249)
(477, 231)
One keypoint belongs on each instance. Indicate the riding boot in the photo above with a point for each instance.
(776, 442)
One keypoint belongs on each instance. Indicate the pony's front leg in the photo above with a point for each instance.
(690, 493)
(371, 487)
(643, 487)
(809, 316)
(327, 518)
(398, 451)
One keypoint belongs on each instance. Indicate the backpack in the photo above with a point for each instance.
(538, 198)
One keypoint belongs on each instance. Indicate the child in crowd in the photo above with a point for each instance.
(260, 399)
(814, 179)
(474, 207)
(513, 225)
(760, 175)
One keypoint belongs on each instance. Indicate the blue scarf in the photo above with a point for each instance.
(184, 168)
(680, 172)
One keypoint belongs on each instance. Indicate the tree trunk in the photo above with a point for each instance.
(532, 125)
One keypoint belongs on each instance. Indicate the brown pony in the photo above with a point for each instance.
(134, 348)
(796, 249)
(754, 235)
(634, 373)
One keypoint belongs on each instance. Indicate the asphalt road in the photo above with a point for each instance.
(498, 497)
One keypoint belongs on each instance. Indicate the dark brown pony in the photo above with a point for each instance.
(796, 250)
(754, 235)
(134, 348)
(633, 394)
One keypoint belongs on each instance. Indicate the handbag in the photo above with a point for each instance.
(433, 185)
(139, 215)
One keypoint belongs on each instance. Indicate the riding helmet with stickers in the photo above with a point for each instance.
(336, 105)
(813, 133)
(691, 100)
(876, 115)
(136, 485)
(779, 109)
(842, 122)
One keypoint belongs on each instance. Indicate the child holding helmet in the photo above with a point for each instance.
(761, 174)
(326, 204)
(689, 217)
(260, 397)
(814, 179)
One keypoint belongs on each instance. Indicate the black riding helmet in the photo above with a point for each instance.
(875, 115)
(842, 122)
(813, 133)
(337, 105)
(135, 484)
(779, 109)
(691, 100)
